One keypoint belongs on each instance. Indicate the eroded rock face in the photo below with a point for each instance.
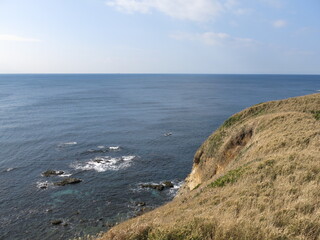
(50, 173)
(67, 181)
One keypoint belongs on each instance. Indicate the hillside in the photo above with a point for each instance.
(256, 177)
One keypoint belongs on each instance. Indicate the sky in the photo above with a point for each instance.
(160, 36)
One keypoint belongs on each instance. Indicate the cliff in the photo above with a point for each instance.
(256, 177)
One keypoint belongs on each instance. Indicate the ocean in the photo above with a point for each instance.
(115, 132)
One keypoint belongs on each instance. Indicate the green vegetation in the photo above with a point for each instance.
(259, 110)
(230, 177)
(231, 121)
(316, 114)
(215, 141)
(254, 111)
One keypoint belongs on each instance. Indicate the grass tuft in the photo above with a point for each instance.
(316, 114)
(230, 177)
(231, 121)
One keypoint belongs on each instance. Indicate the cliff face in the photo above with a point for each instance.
(256, 177)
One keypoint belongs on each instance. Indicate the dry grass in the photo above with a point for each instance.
(256, 177)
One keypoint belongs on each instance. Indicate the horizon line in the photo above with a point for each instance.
(159, 73)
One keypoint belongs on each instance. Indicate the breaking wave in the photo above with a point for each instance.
(105, 163)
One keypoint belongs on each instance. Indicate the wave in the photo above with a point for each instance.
(65, 175)
(114, 148)
(176, 186)
(102, 149)
(105, 163)
(67, 144)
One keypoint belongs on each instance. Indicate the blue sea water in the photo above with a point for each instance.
(109, 131)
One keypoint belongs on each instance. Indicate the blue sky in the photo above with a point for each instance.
(160, 36)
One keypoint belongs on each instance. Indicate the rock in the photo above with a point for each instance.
(49, 173)
(98, 160)
(43, 186)
(67, 181)
(143, 211)
(90, 151)
(158, 187)
(56, 222)
(140, 204)
(109, 225)
(168, 184)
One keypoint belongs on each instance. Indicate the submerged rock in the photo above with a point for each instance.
(68, 181)
(143, 210)
(56, 222)
(99, 160)
(49, 173)
(100, 150)
(158, 187)
(140, 204)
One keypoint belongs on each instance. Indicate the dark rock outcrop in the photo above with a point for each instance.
(50, 173)
(168, 184)
(67, 181)
(56, 222)
(158, 187)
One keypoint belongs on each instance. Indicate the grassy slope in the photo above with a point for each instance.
(256, 177)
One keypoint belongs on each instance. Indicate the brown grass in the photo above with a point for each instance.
(256, 177)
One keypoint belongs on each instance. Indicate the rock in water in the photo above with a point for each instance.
(67, 181)
(158, 187)
(56, 222)
(140, 204)
(168, 184)
(49, 173)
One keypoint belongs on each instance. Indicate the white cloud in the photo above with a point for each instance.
(279, 23)
(194, 10)
(213, 38)
(15, 38)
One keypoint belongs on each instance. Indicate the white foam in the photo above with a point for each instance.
(128, 158)
(101, 147)
(70, 143)
(176, 186)
(65, 175)
(114, 148)
(9, 169)
(102, 164)
(67, 144)
(43, 185)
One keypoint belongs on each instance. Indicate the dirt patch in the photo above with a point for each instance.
(235, 144)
